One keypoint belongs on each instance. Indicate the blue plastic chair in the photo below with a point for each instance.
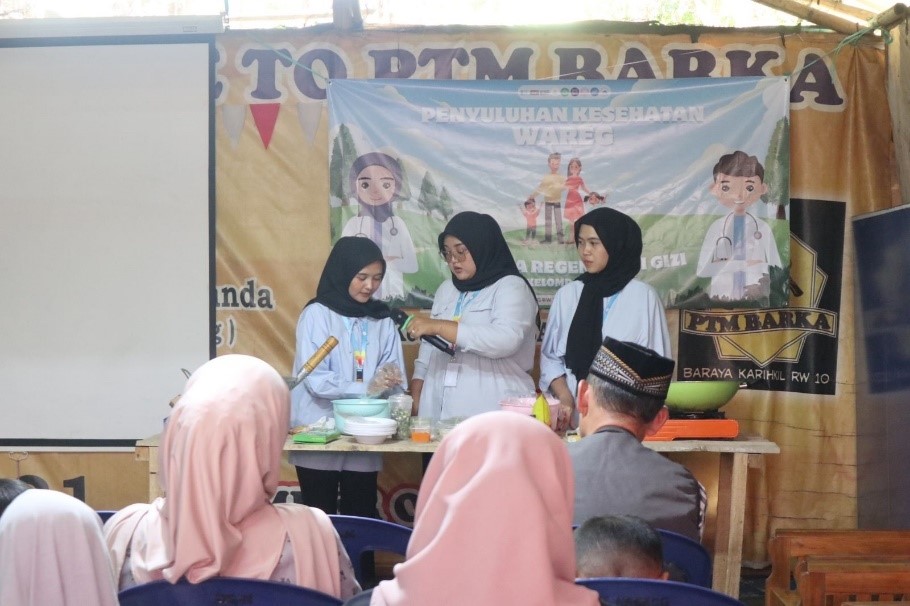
(361, 599)
(105, 514)
(224, 590)
(359, 535)
(644, 592)
(689, 557)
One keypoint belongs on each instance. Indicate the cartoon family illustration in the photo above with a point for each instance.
(551, 188)
(739, 248)
(375, 181)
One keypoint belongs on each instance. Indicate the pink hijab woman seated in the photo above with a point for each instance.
(52, 552)
(493, 523)
(220, 459)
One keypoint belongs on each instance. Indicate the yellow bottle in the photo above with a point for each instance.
(541, 409)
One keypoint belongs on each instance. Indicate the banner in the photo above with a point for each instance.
(274, 145)
(790, 348)
(702, 165)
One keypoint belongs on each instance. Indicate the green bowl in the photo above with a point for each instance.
(700, 396)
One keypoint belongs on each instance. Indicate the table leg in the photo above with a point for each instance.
(149, 454)
(731, 509)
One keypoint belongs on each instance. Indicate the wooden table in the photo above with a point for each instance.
(736, 455)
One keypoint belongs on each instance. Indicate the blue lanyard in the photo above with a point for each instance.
(358, 344)
(608, 305)
(462, 304)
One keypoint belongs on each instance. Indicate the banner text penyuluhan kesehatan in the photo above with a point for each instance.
(701, 164)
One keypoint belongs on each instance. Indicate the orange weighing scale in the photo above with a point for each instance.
(696, 426)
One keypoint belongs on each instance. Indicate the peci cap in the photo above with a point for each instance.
(636, 369)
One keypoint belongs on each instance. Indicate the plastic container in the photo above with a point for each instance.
(445, 426)
(525, 405)
(421, 429)
(400, 409)
(359, 407)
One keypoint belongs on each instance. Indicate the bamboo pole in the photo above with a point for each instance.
(841, 23)
(892, 16)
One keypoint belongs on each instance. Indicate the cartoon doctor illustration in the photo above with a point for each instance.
(739, 248)
(375, 180)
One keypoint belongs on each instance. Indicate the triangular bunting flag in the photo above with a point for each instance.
(233, 117)
(265, 115)
(309, 114)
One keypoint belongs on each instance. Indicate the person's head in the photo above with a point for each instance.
(738, 181)
(594, 198)
(627, 386)
(493, 522)
(10, 488)
(352, 273)
(375, 179)
(574, 167)
(553, 161)
(618, 546)
(605, 233)
(530, 204)
(220, 460)
(52, 552)
(475, 250)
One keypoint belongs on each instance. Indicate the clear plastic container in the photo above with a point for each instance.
(421, 429)
(400, 410)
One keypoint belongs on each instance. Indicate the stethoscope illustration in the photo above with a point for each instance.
(723, 246)
(393, 231)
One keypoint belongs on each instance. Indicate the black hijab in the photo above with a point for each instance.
(621, 236)
(482, 236)
(349, 255)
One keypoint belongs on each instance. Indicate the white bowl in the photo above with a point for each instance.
(368, 432)
(373, 439)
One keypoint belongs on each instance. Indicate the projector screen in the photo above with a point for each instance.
(106, 236)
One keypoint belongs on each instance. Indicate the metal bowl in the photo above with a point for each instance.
(700, 396)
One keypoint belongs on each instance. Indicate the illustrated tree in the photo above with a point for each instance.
(405, 193)
(344, 152)
(336, 180)
(777, 168)
(428, 198)
(445, 203)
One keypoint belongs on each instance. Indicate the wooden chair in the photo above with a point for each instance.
(788, 546)
(817, 588)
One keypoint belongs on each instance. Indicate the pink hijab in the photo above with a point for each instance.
(220, 460)
(493, 523)
(52, 552)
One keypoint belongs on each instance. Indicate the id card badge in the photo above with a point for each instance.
(451, 378)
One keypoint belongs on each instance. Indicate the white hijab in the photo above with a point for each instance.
(52, 552)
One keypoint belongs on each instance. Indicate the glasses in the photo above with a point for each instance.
(457, 254)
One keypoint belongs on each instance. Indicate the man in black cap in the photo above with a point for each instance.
(620, 403)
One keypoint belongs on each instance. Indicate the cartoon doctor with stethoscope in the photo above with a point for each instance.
(739, 248)
(375, 180)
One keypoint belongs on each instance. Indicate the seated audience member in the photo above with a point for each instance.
(618, 546)
(10, 489)
(52, 553)
(220, 460)
(620, 403)
(493, 521)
